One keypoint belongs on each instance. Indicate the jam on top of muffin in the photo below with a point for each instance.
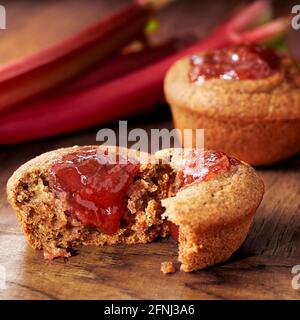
(95, 188)
(239, 62)
(202, 166)
(197, 167)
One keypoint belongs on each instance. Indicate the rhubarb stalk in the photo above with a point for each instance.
(132, 92)
(119, 65)
(52, 66)
(275, 28)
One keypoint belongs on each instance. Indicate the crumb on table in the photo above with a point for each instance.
(167, 267)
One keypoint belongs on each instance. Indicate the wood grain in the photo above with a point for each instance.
(261, 269)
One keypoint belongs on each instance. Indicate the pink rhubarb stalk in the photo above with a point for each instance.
(268, 31)
(52, 66)
(119, 65)
(130, 93)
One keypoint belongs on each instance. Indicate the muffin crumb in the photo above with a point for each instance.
(167, 267)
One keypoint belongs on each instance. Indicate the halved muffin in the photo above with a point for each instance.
(101, 195)
(214, 208)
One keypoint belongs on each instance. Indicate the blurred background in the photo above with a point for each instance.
(31, 24)
(34, 25)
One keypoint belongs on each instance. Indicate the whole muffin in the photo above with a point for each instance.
(245, 97)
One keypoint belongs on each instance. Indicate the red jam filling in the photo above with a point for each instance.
(95, 187)
(174, 230)
(199, 167)
(240, 62)
(203, 166)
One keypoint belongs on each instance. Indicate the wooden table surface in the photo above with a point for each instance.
(261, 269)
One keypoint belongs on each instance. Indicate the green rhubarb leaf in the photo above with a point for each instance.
(278, 43)
(151, 26)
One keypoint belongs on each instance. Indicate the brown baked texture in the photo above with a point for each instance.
(213, 216)
(167, 267)
(48, 225)
(257, 121)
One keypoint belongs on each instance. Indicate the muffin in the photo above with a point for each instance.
(70, 197)
(102, 195)
(245, 97)
(211, 207)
